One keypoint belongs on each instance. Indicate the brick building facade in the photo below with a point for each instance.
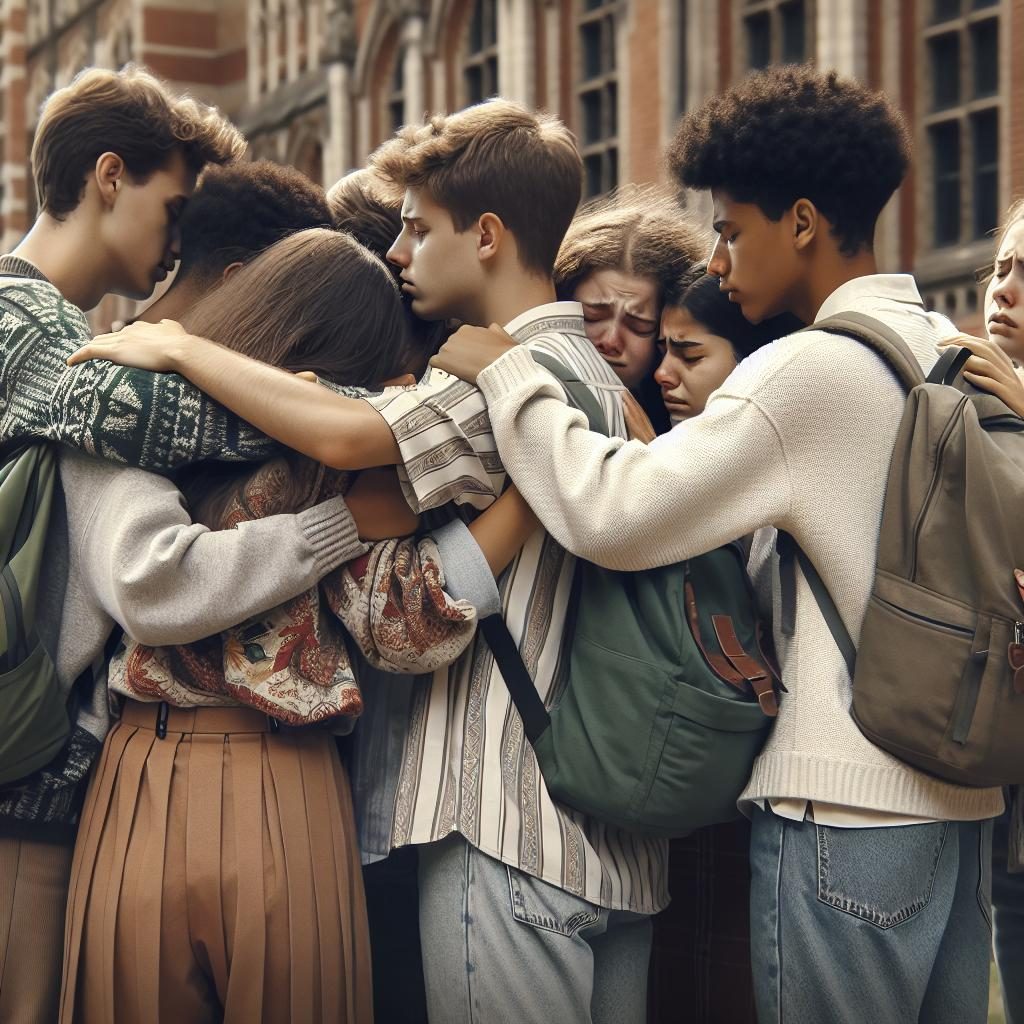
(319, 83)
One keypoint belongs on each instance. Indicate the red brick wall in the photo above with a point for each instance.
(16, 143)
(644, 116)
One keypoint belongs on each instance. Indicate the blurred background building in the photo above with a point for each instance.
(319, 83)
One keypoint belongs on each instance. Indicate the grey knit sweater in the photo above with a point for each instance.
(122, 549)
(161, 577)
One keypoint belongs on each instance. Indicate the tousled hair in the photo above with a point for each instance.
(494, 157)
(791, 132)
(640, 230)
(127, 112)
(238, 211)
(363, 204)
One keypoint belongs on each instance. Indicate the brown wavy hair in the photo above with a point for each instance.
(638, 229)
(128, 112)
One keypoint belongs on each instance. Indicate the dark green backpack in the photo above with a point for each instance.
(34, 723)
(669, 696)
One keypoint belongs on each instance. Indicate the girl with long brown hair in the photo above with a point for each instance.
(216, 874)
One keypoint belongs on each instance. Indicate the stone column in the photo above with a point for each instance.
(413, 67)
(339, 54)
(256, 59)
(516, 51)
(273, 55)
(291, 28)
(842, 40)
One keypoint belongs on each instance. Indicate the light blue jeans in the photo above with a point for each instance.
(880, 925)
(501, 946)
(1008, 915)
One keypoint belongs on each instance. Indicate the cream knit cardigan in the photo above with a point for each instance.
(799, 437)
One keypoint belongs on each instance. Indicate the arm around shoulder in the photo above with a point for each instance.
(168, 580)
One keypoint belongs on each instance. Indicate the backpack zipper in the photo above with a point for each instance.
(933, 484)
(962, 630)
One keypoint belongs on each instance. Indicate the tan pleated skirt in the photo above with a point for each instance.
(216, 878)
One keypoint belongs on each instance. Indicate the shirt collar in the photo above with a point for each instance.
(542, 317)
(867, 290)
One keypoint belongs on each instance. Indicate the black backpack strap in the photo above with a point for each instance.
(949, 364)
(790, 554)
(880, 338)
(517, 678)
(579, 394)
(503, 645)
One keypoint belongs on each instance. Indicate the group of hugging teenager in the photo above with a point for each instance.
(285, 501)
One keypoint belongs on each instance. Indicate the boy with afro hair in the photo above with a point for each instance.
(234, 214)
(870, 892)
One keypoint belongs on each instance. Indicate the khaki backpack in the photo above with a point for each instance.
(938, 676)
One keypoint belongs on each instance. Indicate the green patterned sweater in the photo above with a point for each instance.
(151, 420)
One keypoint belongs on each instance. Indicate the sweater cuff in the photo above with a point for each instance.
(467, 576)
(509, 373)
(331, 532)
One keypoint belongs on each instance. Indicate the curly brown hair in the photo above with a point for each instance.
(639, 229)
(127, 112)
(791, 132)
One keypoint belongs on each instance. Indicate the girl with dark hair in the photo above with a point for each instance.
(703, 337)
(216, 876)
(619, 257)
(700, 958)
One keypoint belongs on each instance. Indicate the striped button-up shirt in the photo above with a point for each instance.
(466, 765)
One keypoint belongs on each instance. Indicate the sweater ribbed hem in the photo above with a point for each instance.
(510, 372)
(876, 787)
(331, 531)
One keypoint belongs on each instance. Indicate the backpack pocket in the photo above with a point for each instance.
(34, 714)
(922, 706)
(704, 763)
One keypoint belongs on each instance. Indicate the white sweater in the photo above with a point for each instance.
(799, 437)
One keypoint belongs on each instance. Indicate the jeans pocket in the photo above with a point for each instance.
(882, 875)
(540, 905)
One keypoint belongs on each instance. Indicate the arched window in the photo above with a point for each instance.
(598, 93)
(480, 66)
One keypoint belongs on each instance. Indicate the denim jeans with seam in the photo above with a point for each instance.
(886, 925)
(1008, 918)
(501, 946)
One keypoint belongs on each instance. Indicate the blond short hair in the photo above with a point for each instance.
(639, 229)
(494, 157)
(130, 113)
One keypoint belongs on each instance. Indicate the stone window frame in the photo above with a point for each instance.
(772, 13)
(965, 116)
(597, 93)
(394, 96)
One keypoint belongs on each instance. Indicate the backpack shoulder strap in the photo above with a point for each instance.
(503, 645)
(790, 554)
(880, 338)
(579, 394)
